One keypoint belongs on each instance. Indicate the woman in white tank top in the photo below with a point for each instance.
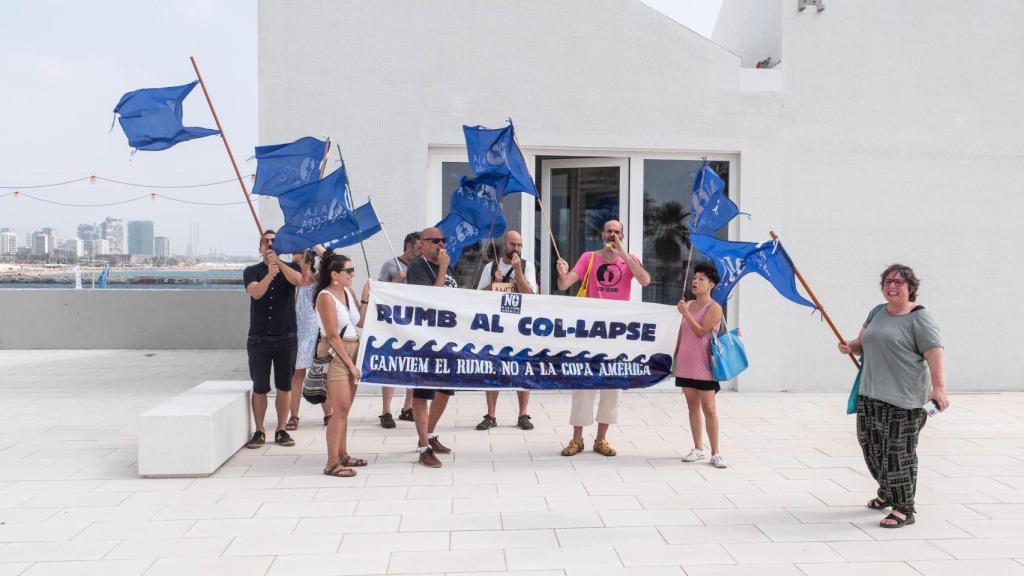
(340, 316)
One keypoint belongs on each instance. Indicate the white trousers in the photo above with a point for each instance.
(582, 413)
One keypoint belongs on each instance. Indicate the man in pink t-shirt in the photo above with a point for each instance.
(611, 278)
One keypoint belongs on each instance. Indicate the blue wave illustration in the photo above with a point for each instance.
(467, 367)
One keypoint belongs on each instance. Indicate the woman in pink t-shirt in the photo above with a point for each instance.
(701, 317)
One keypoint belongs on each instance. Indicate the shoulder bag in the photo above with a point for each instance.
(583, 292)
(728, 355)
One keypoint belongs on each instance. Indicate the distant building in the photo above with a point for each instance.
(75, 247)
(114, 231)
(8, 242)
(162, 247)
(100, 247)
(53, 238)
(140, 238)
(40, 244)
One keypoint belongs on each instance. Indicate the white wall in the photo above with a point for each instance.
(751, 29)
(895, 137)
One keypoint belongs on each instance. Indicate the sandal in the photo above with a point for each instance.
(339, 471)
(327, 419)
(898, 522)
(574, 448)
(604, 449)
(878, 504)
(292, 424)
(353, 462)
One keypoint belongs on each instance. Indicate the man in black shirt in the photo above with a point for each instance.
(430, 269)
(272, 336)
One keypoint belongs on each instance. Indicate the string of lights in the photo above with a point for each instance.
(151, 196)
(94, 179)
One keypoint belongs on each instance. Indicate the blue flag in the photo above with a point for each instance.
(101, 281)
(494, 151)
(734, 260)
(475, 213)
(284, 167)
(710, 209)
(316, 213)
(369, 224)
(151, 118)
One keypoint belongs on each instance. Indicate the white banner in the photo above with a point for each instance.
(427, 337)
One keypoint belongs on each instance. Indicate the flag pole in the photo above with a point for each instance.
(386, 237)
(223, 137)
(817, 303)
(348, 190)
(323, 162)
(543, 214)
(689, 258)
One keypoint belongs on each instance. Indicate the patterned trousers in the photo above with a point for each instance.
(888, 437)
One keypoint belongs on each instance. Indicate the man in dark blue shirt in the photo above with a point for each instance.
(272, 338)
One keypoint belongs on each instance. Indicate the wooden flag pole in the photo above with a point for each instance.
(543, 214)
(327, 152)
(817, 303)
(224, 138)
(348, 190)
(689, 258)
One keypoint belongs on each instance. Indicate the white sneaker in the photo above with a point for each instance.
(694, 455)
(718, 461)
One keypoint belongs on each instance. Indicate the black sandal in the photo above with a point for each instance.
(353, 462)
(900, 522)
(339, 471)
(878, 504)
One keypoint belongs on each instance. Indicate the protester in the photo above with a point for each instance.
(610, 271)
(701, 318)
(394, 270)
(900, 346)
(272, 340)
(339, 316)
(305, 316)
(430, 269)
(512, 274)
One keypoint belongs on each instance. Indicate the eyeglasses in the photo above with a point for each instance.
(893, 281)
(349, 270)
(436, 240)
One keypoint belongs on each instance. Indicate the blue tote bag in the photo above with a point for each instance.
(728, 355)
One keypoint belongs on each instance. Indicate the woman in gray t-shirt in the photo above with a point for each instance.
(903, 368)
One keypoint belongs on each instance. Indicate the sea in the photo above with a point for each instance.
(153, 279)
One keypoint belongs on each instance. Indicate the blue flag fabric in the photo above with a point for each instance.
(101, 281)
(151, 118)
(316, 213)
(494, 151)
(734, 260)
(710, 208)
(475, 213)
(284, 167)
(369, 224)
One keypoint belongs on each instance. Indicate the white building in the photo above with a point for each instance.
(890, 132)
(161, 247)
(75, 247)
(8, 242)
(114, 230)
(40, 243)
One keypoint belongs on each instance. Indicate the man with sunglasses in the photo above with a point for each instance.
(272, 341)
(430, 269)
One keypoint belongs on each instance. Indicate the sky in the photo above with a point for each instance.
(66, 64)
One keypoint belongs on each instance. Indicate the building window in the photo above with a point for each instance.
(467, 269)
(667, 196)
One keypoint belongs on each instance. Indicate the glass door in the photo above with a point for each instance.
(579, 196)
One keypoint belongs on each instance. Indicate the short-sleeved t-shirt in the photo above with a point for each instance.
(424, 273)
(391, 269)
(895, 370)
(608, 281)
(504, 269)
(274, 313)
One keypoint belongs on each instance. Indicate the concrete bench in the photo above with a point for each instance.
(195, 432)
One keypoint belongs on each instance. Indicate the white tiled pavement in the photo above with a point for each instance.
(506, 503)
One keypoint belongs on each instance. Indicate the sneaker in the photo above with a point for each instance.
(694, 455)
(281, 438)
(524, 422)
(574, 448)
(405, 414)
(386, 420)
(718, 461)
(487, 423)
(428, 459)
(436, 446)
(257, 440)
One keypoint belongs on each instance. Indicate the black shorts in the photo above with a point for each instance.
(698, 384)
(428, 393)
(272, 351)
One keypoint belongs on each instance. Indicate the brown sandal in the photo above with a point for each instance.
(603, 448)
(339, 471)
(292, 424)
(353, 462)
(574, 448)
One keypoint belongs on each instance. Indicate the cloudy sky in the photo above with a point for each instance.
(66, 64)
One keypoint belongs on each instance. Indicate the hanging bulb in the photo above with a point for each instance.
(16, 193)
(92, 179)
(152, 196)
(252, 178)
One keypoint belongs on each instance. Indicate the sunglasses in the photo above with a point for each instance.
(436, 240)
(349, 270)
